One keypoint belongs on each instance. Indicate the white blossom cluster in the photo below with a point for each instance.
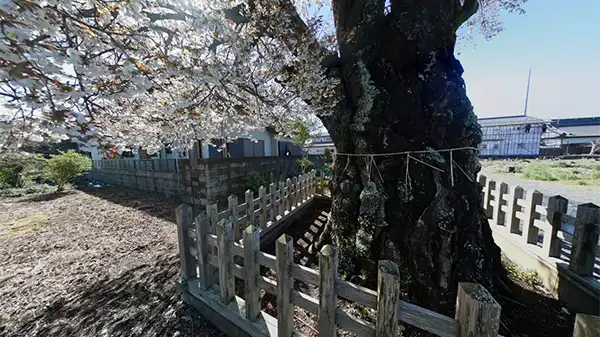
(150, 72)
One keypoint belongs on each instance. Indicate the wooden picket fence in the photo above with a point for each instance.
(212, 258)
(511, 211)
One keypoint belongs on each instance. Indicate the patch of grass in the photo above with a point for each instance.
(528, 276)
(577, 172)
(23, 226)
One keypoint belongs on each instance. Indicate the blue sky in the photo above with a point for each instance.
(559, 41)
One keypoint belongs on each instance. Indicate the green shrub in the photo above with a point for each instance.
(63, 168)
(29, 188)
(16, 169)
(305, 164)
(328, 156)
(254, 180)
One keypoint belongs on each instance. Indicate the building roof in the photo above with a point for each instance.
(509, 120)
(580, 131)
(581, 121)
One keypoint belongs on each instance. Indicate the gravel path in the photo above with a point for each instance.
(102, 263)
(576, 194)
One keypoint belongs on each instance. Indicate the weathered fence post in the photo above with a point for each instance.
(328, 266)
(322, 183)
(530, 231)
(184, 215)
(477, 311)
(212, 212)
(557, 206)
(232, 205)
(294, 193)
(388, 293)
(498, 215)
(202, 229)
(282, 202)
(586, 326)
(585, 239)
(512, 222)
(490, 185)
(225, 257)
(262, 203)
(311, 183)
(288, 197)
(251, 272)
(274, 207)
(249, 196)
(284, 251)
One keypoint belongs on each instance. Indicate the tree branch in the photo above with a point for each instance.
(464, 11)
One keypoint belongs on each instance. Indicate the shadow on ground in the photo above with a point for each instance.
(154, 204)
(46, 196)
(142, 301)
(528, 312)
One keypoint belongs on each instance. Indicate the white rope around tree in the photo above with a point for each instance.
(371, 161)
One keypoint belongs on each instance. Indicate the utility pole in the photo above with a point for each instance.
(527, 93)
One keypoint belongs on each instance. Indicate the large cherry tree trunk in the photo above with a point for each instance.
(404, 92)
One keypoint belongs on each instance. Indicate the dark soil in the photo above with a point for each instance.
(99, 262)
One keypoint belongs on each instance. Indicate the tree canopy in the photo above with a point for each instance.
(146, 72)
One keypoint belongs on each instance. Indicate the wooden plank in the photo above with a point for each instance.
(356, 293)
(530, 231)
(477, 311)
(586, 326)
(267, 285)
(512, 220)
(262, 204)
(328, 268)
(305, 274)
(184, 215)
(223, 215)
(282, 204)
(288, 195)
(202, 228)
(498, 216)
(230, 319)
(353, 324)
(294, 192)
(232, 205)
(274, 207)
(388, 293)
(552, 245)
(249, 196)
(490, 186)
(251, 272)
(306, 302)
(266, 260)
(284, 248)
(225, 259)
(427, 320)
(585, 239)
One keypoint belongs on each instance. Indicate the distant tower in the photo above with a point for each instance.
(527, 93)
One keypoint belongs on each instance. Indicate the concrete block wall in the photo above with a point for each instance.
(197, 181)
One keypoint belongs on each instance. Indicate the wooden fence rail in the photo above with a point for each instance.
(212, 257)
(514, 212)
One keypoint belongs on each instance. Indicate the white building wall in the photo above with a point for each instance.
(511, 141)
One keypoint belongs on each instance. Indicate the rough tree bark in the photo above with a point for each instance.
(403, 91)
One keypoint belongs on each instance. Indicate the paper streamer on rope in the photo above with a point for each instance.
(408, 157)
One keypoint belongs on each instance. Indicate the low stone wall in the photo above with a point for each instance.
(194, 181)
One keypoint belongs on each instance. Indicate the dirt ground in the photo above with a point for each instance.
(99, 262)
(104, 262)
